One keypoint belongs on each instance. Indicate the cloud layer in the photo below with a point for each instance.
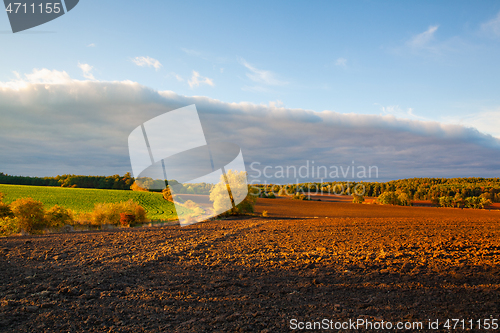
(52, 124)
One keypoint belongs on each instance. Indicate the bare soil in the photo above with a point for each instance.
(308, 261)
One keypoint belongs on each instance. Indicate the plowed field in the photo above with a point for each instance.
(308, 261)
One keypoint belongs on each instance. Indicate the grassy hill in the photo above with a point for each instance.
(83, 200)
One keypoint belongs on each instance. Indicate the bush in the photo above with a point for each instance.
(83, 218)
(136, 186)
(477, 202)
(356, 198)
(109, 213)
(167, 194)
(247, 205)
(29, 214)
(388, 198)
(267, 195)
(299, 196)
(9, 226)
(283, 192)
(5, 210)
(58, 216)
(404, 199)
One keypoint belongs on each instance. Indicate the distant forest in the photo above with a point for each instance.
(114, 182)
(431, 188)
(445, 191)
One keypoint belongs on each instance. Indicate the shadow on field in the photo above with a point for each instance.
(247, 276)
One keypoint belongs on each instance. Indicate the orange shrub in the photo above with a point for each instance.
(58, 216)
(29, 214)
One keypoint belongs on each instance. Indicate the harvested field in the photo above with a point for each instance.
(342, 207)
(255, 275)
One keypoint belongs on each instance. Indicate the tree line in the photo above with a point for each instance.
(471, 192)
(450, 192)
(115, 182)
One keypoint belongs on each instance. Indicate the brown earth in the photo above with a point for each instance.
(256, 275)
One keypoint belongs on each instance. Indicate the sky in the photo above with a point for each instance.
(409, 87)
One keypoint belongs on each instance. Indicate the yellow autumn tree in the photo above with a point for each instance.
(239, 192)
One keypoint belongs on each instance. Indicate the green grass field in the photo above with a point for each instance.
(83, 200)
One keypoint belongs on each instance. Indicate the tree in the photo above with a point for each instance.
(239, 192)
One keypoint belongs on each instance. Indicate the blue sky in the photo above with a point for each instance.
(423, 61)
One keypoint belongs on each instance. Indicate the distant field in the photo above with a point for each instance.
(342, 207)
(83, 200)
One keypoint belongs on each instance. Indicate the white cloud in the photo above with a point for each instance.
(52, 124)
(262, 76)
(147, 61)
(38, 76)
(487, 121)
(196, 80)
(47, 76)
(91, 45)
(396, 111)
(422, 40)
(492, 26)
(86, 69)
(342, 62)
